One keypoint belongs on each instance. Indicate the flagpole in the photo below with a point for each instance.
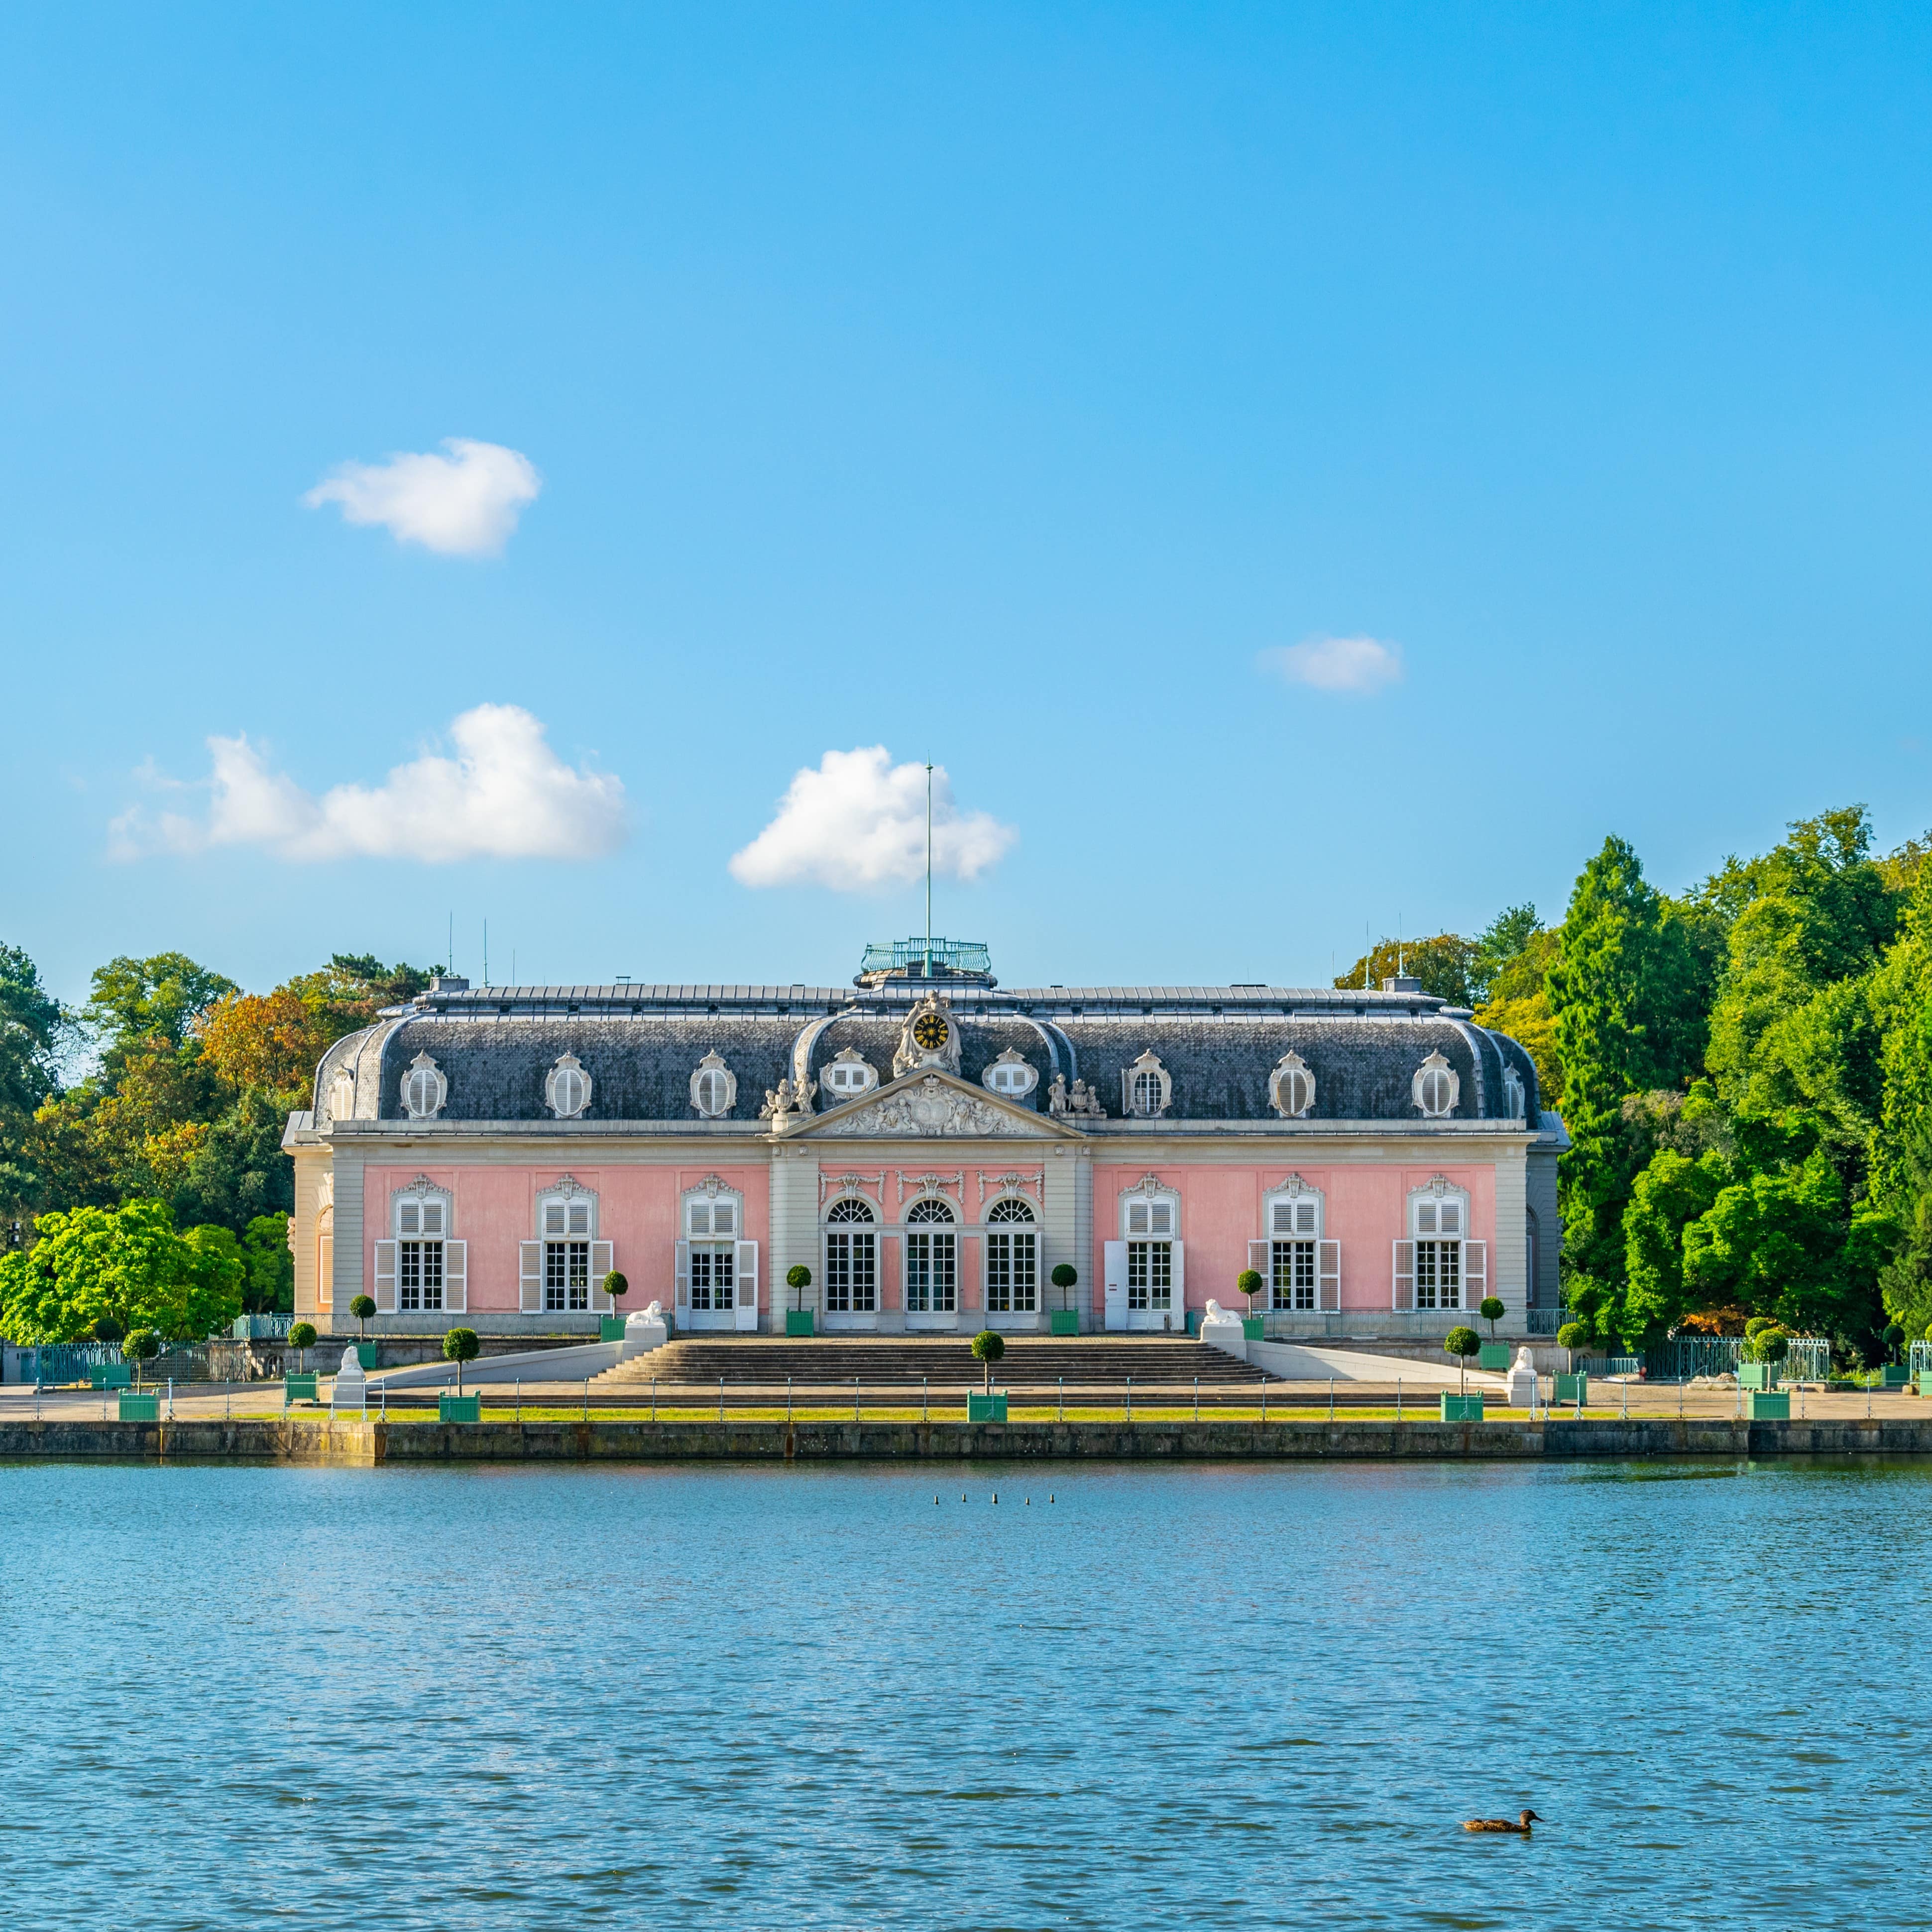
(928, 869)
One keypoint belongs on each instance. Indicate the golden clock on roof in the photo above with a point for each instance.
(929, 1031)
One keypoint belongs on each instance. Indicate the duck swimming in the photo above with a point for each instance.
(1521, 1827)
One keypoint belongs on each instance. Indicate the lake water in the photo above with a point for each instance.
(1200, 1696)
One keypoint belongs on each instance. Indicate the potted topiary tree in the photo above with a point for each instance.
(140, 1346)
(611, 1327)
(1895, 1373)
(1496, 1354)
(1066, 1319)
(798, 1317)
(459, 1345)
(1757, 1368)
(1462, 1343)
(989, 1345)
(366, 1352)
(301, 1339)
(1248, 1282)
(1572, 1388)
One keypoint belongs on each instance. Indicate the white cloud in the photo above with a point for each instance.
(504, 795)
(465, 504)
(1361, 665)
(859, 821)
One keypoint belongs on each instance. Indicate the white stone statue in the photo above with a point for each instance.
(644, 1329)
(352, 1385)
(1221, 1328)
(1519, 1386)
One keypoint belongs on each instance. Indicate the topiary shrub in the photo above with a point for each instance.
(616, 1287)
(301, 1339)
(1768, 1345)
(1758, 1324)
(461, 1345)
(988, 1346)
(1248, 1283)
(108, 1330)
(1894, 1340)
(362, 1307)
(1462, 1343)
(1064, 1276)
(1492, 1311)
(1571, 1336)
(798, 1278)
(140, 1346)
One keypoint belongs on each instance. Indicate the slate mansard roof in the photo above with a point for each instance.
(641, 1044)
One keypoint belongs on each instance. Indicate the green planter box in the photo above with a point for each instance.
(145, 1406)
(111, 1374)
(1924, 1382)
(1462, 1407)
(1194, 1315)
(1495, 1355)
(1066, 1322)
(369, 1353)
(798, 1320)
(1757, 1375)
(610, 1328)
(459, 1408)
(1895, 1378)
(985, 1407)
(1765, 1405)
(1572, 1388)
(1251, 1327)
(298, 1388)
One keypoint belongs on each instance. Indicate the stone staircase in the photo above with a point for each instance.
(903, 1361)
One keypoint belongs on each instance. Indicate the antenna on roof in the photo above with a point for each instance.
(451, 955)
(1398, 945)
(486, 953)
(928, 868)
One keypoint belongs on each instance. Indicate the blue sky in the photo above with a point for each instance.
(1010, 385)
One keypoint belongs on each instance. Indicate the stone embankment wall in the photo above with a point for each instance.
(312, 1438)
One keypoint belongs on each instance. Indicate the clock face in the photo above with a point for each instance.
(929, 1031)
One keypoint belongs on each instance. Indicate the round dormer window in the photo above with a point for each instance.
(1435, 1087)
(714, 1087)
(848, 1075)
(1010, 1076)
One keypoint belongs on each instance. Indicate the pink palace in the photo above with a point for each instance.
(930, 1147)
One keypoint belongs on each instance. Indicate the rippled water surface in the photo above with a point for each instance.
(813, 1697)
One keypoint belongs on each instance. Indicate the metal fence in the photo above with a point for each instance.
(262, 1327)
(1611, 1365)
(1685, 1356)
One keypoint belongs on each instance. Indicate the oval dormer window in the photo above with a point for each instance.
(424, 1089)
(1435, 1088)
(1011, 1076)
(567, 1088)
(848, 1075)
(1294, 1085)
(714, 1087)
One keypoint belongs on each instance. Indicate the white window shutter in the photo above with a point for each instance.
(1475, 1273)
(1179, 1304)
(324, 1272)
(530, 1276)
(456, 1277)
(601, 1263)
(745, 1285)
(385, 1277)
(1405, 1274)
(1328, 1277)
(684, 1274)
(1115, 1278)
(1260, 1259)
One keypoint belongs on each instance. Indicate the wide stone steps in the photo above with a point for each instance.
(1030, 1361)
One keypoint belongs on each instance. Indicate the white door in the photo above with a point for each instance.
(1155, 1298)
(744, 1289)
(1116, 1285)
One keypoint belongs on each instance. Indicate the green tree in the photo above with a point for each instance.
(461, 1345)
(1462, 1343)
(1442, 964)
(988, 1346)
(270, 1288)
(159, 999)
(126, 1265)
(33, 1032)
(1670, 1193)
(1626, 994)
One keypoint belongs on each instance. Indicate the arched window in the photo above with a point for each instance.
(932, 1259)
(567, 1088)
(714, 1087)
(1011, 1076)
(848, 1075)
(1145, 1088)
(851, 1259)
(424, 1089)
(1013, 1259)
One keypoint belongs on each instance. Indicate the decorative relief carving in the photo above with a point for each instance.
(932, 1107)
(829, 1184)
(788, 1101)
(931, 1184)
(1013, 1184)
(1082, 1103)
